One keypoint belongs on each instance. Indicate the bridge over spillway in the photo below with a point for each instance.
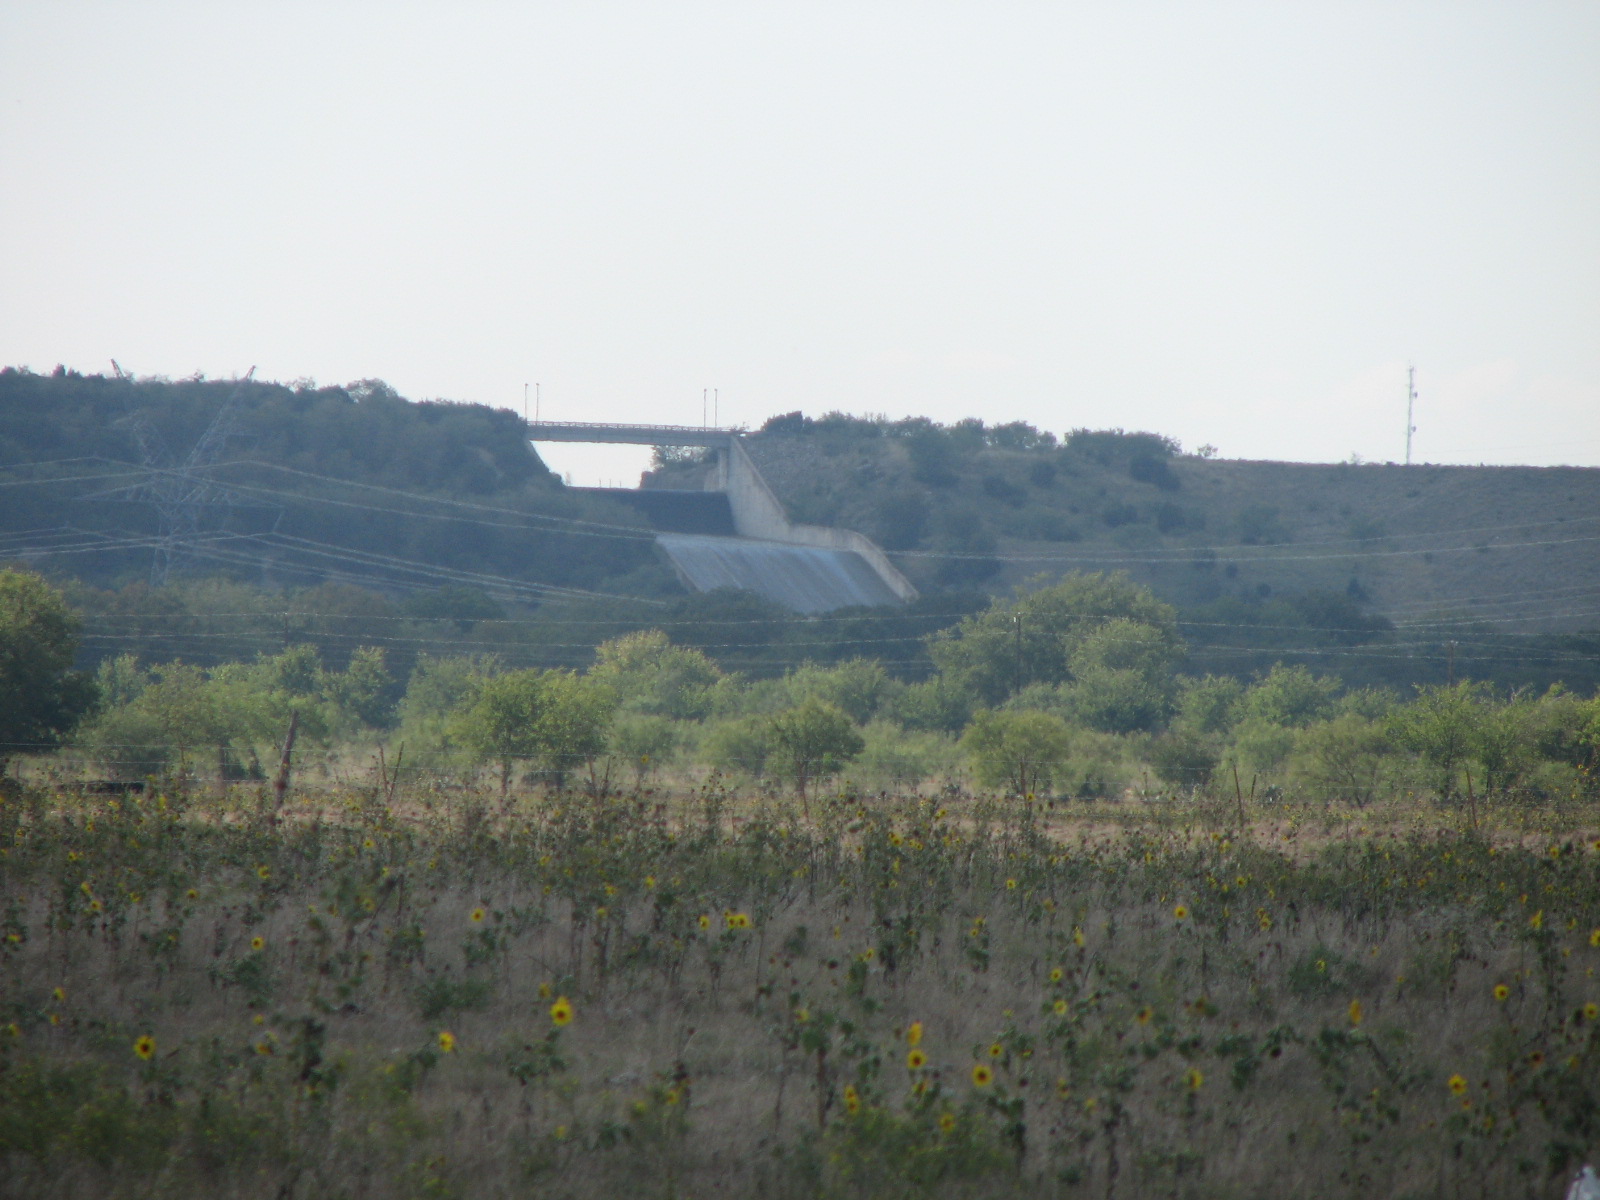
(808, 568)
(607, 433)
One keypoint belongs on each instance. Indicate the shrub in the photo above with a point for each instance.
(1020, 751)
(1148, 468)
(895, 759)
(1116, 515)
(999, 488)
(1184, 759)
(1259, 525)
(1346, 759)
(741, 745)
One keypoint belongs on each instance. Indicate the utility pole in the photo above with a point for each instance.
(704, 392)
(1450, 670)
(535, 403)
(1411, 404)
(1017, 681)
(716, 411)
(524, 404)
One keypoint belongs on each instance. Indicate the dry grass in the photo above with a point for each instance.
(718, 1059)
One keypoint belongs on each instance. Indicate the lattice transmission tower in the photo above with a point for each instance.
(182, 492)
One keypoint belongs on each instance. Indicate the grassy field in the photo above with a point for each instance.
(442, 994)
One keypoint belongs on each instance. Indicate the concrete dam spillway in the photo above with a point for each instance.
(736, 534)
(806, 579)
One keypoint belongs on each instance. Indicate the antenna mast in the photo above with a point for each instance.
(1411, 403)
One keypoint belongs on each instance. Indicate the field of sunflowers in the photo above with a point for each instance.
(437, 993)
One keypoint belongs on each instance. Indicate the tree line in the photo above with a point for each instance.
(1072, 689)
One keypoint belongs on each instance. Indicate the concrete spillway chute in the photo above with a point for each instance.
(808, 568)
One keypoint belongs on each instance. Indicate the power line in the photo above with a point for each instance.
(1115, 560)
(465, 504)
(181, 495)
(1244, 553)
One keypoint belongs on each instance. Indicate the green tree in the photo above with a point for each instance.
(1261, 748)
(361, 692)
(274, 686)
(934, 705)
(1348, 758)
(555, 716)
(1273, 710)
(440, 687)
(119, 681)
(996, 653)
(1440, 726)
(182, 710)
(814, 739)
(296, 671)
(1019, 750)
(650, 675)
(1205, 713)
(574, 724)
(41, 697)
(858, 686)
(1209, 705)
(1505, 742)
(1118, 701)
(1291, 697)
(739, 744)
(1566, 730)
(644, 743)
(1184, 757)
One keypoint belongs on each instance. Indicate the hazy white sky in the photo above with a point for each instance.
(1231, 223)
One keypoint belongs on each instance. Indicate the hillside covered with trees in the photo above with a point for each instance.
(992, 505)
(295, 485)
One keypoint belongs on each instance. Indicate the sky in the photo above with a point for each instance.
(1236, 224)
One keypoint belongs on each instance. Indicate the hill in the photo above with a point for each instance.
(351, 516)
(997, 505)
(297, 485)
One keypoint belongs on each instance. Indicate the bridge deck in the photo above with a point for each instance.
(630, 435)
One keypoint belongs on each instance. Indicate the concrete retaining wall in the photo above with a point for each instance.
(757, 513)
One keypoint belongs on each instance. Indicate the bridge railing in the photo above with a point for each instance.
(622, 427)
